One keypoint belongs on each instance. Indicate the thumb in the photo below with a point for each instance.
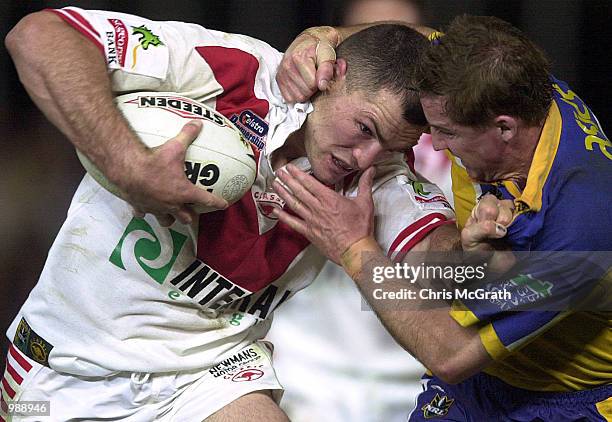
(366, 181)
(189, 133)
(325, 56)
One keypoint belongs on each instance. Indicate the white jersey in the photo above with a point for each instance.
(119, 293)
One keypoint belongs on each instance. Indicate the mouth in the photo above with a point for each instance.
(343, 166)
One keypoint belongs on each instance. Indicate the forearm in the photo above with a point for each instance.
(334, 35)
(421, 326)
(66, 77)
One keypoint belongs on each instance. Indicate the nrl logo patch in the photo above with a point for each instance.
(437, 407)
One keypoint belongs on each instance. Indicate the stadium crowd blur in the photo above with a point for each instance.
(39, 169)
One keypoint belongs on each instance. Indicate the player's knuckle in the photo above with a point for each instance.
(487, 210)
(488, 227)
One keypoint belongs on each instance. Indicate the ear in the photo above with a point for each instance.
(507, 126)
(340, 67)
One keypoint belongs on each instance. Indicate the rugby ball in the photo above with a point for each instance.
(219, 160)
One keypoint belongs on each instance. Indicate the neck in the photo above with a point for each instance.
(292, 149)
(524, 154)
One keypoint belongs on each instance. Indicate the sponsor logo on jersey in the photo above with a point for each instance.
(236, 317)
(31, 344)
(525, 290)
(117, 42)
(147, 37)
(146, 40)
(260, 304)
(253, 128)
(204, 286)
(147, 250)
(180, 106)
(425, 197)
(266, 202)
(418, 188)
(211, 290)
(437, 407)
(248, 375)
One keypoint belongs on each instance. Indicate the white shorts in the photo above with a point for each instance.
(184, 396)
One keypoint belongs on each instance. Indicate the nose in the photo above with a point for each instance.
(366, 155)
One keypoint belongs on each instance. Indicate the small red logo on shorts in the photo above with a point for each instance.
(247, 375)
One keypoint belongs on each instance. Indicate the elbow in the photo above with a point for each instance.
(450, 373)
(29, 31)
(453, 368)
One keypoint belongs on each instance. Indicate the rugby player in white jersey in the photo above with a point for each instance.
(156, 319)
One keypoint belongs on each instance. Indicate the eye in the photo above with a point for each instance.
(364, 129)
(444, 133)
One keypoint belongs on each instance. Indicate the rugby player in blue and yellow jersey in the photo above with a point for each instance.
(517, 132)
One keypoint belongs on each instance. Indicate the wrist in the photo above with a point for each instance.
(352, 259)
(124, 163)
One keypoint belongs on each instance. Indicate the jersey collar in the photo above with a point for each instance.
(531, 197)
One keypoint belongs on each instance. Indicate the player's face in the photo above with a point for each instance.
(481, 150)
(351, 131)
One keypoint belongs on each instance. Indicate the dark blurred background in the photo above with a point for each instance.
(39, 170)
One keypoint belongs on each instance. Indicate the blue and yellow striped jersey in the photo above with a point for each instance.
(563, 207)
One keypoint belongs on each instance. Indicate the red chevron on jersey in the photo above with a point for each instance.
(257, 259)
(414, 233)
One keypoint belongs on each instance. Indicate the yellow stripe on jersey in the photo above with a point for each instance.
(605, 409)
(466, 318)
(542, 162)
(492, 343)
(572, 355)
(460, 313)
(465, 192)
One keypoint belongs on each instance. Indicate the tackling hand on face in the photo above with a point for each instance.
(327, 219)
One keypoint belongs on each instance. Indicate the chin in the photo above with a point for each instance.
(478, 177)
(329, 181)
(323, 176)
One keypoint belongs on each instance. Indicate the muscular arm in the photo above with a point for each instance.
(343, 232)
(424, 328)
(66, 76)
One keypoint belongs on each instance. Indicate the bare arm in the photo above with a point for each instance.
(343, 232)
(307, 65)
(421, 326)
(66, 76)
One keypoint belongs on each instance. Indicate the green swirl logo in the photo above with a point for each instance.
(148, 249)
